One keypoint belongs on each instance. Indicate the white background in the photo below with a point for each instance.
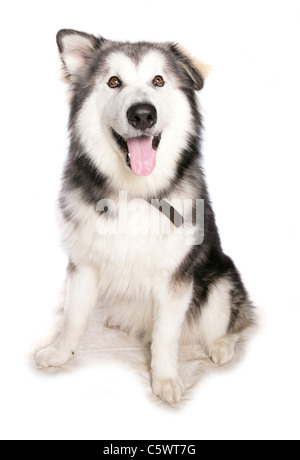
(251, 105)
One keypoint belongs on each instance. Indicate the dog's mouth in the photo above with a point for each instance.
(140, 152)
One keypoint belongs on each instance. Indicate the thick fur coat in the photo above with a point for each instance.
(134, 157)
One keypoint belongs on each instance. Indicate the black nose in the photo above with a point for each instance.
(142, 116)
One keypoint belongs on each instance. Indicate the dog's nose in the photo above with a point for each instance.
(142, 116)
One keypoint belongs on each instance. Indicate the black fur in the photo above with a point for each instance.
(81, 174)
(205, 264)
(188, 67)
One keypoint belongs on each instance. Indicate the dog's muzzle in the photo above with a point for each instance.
(142, 116)
(141, 150)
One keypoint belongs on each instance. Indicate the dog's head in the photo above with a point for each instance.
(134, 99)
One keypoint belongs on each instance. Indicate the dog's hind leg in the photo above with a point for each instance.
(226, 313)
(82, 284)
(223, 349)
(169, 314)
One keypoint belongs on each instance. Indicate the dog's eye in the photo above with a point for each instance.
(114, 82)
(158, 81)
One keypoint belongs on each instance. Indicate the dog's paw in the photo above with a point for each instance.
(52, 356)
(222, 351)
(168, 390)
(108, 322)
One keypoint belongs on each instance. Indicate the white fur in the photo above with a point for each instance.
(169, 311)
(214, 320)
(223, 350)
(106, 108)
(75, 53)
(132, 273)
(81, 297)
(215, 314)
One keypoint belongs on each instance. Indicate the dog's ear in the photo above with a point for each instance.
(76, 49)
(196, 70)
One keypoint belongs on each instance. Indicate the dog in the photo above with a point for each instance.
(137, 220)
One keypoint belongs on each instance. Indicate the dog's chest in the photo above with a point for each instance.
(133, 246)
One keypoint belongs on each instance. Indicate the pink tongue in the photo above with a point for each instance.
(142, 155)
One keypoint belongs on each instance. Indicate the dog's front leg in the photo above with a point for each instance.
(82, 284)
(169, 315)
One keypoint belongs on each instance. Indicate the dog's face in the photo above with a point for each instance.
(135, 97)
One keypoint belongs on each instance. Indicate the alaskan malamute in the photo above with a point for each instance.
(136, 216)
